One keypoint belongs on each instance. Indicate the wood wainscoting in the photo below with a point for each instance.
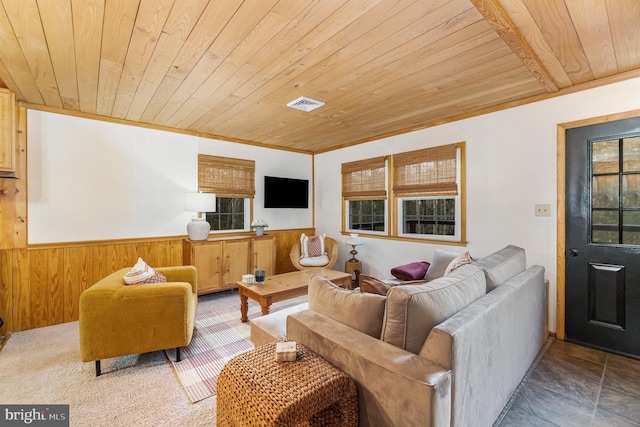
(41, 285)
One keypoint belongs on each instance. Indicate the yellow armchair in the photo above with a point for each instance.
(118, 319)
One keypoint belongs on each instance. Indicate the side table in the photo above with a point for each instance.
(254, 389)
(353, 267)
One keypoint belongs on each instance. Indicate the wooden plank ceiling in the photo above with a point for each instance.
(228, 68)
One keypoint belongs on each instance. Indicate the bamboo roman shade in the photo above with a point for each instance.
(226, 177)
(364, 179)
(431, 171)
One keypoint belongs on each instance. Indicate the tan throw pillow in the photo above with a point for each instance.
(458, 262)
(372, 285)
(375, 286)
(361, 311)
(143, 273)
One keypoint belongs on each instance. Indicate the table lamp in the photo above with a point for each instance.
(353, 240)
(198, 228)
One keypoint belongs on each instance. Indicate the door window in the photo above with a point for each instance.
(615, 191)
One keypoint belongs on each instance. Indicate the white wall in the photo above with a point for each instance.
(95, 180)
(511, 166)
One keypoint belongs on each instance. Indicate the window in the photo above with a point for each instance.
(233, 182)
(430, 216)
(364, 194)
(427, 190)
(367, 215)
(229, 214)
(425, 185)
(615, 191)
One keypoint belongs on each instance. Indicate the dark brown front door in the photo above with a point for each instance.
(602, 260)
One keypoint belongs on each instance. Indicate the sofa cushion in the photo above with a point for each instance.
(439, 263)
(273, 326)
(412, 311)
(314, 261)
(376, 286)
(411, 271)
(143, 273)
(502, 265)
(361, 311)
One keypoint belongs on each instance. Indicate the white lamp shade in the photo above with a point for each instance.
(354, 240)
(200, 202)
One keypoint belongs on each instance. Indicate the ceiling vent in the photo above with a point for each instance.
(305, 104)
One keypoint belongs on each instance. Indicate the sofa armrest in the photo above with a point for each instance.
(185, 273)
(502, 334)
(395, 387)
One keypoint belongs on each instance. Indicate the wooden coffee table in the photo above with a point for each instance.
(284, 286)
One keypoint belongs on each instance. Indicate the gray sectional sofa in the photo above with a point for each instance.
(449, 352)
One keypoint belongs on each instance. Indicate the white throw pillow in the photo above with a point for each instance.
(439, 264)
(143, 273)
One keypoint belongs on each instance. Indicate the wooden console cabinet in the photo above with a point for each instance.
(221, 262)
(263, 254)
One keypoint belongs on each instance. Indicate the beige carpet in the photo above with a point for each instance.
(42, 366)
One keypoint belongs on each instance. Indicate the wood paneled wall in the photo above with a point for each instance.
(13, 218)
(46, 280)
(42, 283)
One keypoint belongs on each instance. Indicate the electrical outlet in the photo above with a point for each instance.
(543, 210)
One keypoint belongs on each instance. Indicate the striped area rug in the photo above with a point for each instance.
(218, 336)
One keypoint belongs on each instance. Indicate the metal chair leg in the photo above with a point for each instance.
(177, 354)
(98, 370)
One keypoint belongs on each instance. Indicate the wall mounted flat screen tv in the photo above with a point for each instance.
(286, 193)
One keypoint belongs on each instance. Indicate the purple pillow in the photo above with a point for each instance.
(411, 271)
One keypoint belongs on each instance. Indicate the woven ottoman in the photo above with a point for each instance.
(255, 390)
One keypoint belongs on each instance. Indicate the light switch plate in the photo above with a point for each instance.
(543, 210)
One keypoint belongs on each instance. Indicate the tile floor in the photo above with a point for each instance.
(573, 385)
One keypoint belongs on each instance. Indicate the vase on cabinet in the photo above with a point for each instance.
(259, 231)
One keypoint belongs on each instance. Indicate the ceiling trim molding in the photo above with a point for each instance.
(57, 110)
